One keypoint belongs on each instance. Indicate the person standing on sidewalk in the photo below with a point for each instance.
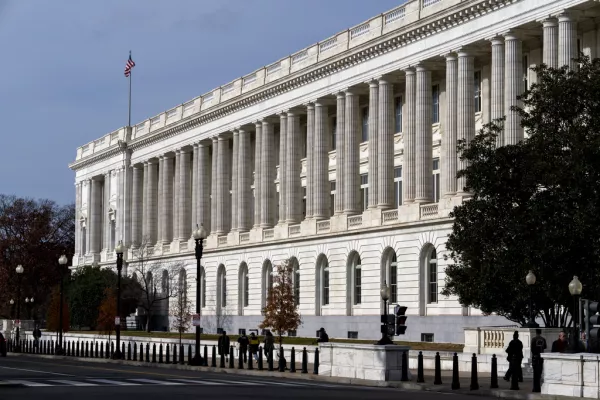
(323, 336)
(37, 334)
(254, 342)
(560, 345)
(538, 346)
(223, 345)
(243, 342)
(515, 356)
(269, 344)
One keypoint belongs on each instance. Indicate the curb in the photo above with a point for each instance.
(498, 393)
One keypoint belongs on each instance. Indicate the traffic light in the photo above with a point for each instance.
(400, 312)
(592, 324)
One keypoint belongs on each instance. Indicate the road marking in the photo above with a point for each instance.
(238, 382)
(32, 370)
(273, 383)
(155, 382)
(73, 383)
(28, 383)
(111, 382)
(198, 382)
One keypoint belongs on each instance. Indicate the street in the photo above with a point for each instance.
(34, 378)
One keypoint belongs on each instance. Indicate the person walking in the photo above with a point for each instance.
(243, 343)
(254, 342)
(223, 345)
(515, 356)
(37, 334)
(269, 344)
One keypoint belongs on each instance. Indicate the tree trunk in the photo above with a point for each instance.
(148, 318)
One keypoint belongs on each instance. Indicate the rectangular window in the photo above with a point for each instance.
(326, 286)
(241, 331)
(477, 91)
(303, 141)
(398, 114)
(352, 335)
(365, 124)
(297, 286)
(393, 283)
(525, 71)
(357, 284)
(435, 93)
(303, 202)
(427, 337)
(292, 333)
(333, 130)
(436, 180)
(246, 290)
(433, 283)
(364, 191)
(332, 198)
(224, 293)
(398, 186)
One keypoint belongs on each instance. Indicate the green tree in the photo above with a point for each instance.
(535, 205)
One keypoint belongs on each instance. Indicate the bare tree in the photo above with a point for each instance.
(181, 312)
(218, 317)
(158, 279)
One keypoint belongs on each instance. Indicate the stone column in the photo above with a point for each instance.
(550, 49)
(234, 181)
(373, 143)
(424, 140)
(385, 146)
(339, 153)
(176, 196)
(465, 107)
(137, 204)
(77, 217)
(310, 159)
(321, 186)
(293, 167)
(283, 154)
(214, 185)
(449, 138)
(497, 86)
(244, 180)
(185, 195)
(96, 217)
(144, 203)
(105, 207)
(203, 172)
(267, 174)
(257, 174)
(195, 181)
(567, 40)
(152, 196)
(223, 186)
(88, 228)
(159, 201)
(352, 155)
(513, 132)
(409, 163)
(167, 199)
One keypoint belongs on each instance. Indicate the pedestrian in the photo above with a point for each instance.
(269, 344)
(538, 346)
(254, 345)
(243, 343)
(37, 334)
(561, 344)
(515, 356)
(223, 345)
(323, 337)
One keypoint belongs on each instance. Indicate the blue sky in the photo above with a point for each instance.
(61, 76)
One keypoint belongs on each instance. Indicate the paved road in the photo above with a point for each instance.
(34, 378)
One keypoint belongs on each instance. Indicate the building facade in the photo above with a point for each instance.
(341, 158)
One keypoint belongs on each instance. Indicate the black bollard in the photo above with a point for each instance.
(537, 373)
(189, 354)
(96, 350)
(160, 358)
(112, 349)
(420, 374)
(181, 355)
(260, 358)
(316, 369)
(304, 361)
(231, 358)
(87, 349)
(101, 349)
(474, 381)
(270, 360)
(404, 377)
(455, 377)
(168, 355)
(250, 359)
(514, 381)
(134, 351)
(68, 349)
(77, 350)
(205, 361)
(213, 362)
(128, 351)
(281, 366)
(147, 352)
(293, 360)
(122, 350)
(438, 370)
(174, 354)
(494, 378)
(240, 359)
(154, 353)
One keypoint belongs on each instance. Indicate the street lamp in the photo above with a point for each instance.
(12, 308)
(62, 261)
(575, 288)
(530, 280)
(31, 309)
(199, 235)
(119, 250)
(19, 270)
(385, 296)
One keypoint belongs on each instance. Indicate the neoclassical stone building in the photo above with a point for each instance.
(341, 157)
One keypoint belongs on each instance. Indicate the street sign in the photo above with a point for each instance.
(117, 320)
(196, 320)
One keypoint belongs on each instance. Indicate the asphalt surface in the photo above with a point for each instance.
(35, 378)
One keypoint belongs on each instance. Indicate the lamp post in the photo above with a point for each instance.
(385, 296)
(31, 310)
(199, 235)
(19, 271)
(575, 288)
(119, 251)
(530, 280)
(12, 308)
(28, 306)
(62, 261)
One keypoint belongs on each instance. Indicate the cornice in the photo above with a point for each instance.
(417, 30)
(97, 157)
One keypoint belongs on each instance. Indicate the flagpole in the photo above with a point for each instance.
(130, 74)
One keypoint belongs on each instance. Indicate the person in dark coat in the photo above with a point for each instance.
(243, 342)
(254, 343)
(323, 337)
(561, 345)
(224, 344)
(515, 357)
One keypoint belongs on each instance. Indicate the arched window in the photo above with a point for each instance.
(150, 282)
(325, 283)
(267, 281)
(321, 283)
(165, 281)
(296, 278)
(243, 291)
(432, 275)
(221, 289)
(389, 273)
(353, 282)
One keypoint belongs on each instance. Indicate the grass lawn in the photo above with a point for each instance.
(298, 341)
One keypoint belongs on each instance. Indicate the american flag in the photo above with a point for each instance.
(130, 64)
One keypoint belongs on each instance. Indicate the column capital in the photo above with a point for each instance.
(464, 54)
(409, 70)
(236, 132)
(511, 35)
(214, 139)
(450, 56)
(548, 21)
(185, 150)
(323, 101)
(310, 106)
(422, 68)
(341, 93)
(195, 145)
(568, 15)
(496, 40)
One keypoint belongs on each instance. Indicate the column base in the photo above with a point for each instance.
(339, 223)
(281, 231)
(409, 212)
(212, 241)
(233, 238)
(372, 217)
(308, 227)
